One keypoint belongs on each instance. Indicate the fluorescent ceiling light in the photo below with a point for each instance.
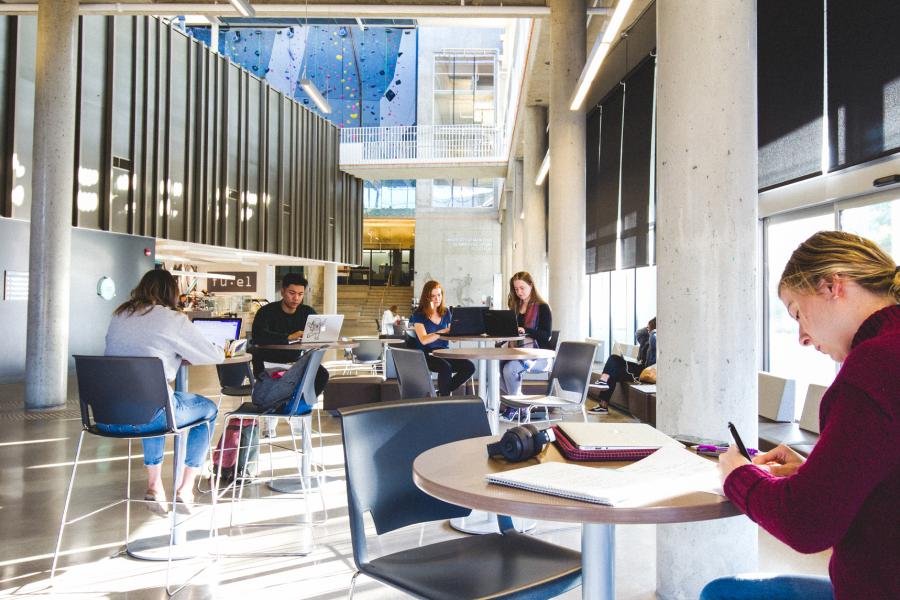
(601, 48)
(243, 7)
(313, 92)
(360, 23)
(545, 168)
(203, 20)
(203, 275)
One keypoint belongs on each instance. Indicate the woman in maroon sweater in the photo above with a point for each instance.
(843, 291)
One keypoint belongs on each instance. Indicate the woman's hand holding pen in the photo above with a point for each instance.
(781, 461)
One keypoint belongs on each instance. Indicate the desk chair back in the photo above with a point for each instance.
(234, 375)
(368, 350)
(413, 374)
(572, 368)
(304, 397)
(381, 441)
(121, 390)
(554, 339)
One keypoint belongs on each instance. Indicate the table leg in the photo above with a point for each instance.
(598, 561)
(493, 403)
(306, 482)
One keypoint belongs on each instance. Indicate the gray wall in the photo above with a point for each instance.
(94, 254)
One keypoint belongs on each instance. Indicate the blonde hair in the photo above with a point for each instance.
(828, 253)
(512, 300)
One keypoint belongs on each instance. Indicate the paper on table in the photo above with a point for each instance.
(669, 472)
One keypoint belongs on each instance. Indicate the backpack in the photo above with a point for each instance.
(237, 451)
(275, 387)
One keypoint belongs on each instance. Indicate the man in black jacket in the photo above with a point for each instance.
(281, 322)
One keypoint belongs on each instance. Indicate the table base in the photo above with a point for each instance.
(598, 560)
(157, 548)
(481, 523)
(297, 485)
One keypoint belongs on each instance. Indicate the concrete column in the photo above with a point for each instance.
(506, 234)
(534, 251)
(47, 345)
(706, 248)
(518, 225)
(329, 288)
(567, 159)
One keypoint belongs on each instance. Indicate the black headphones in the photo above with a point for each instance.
(521, 443)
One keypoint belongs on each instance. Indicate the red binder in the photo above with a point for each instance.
(573, 452)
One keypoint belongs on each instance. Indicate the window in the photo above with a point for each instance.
(786, 357)
(464, 193)
(877, 222)
(599, 309)
(389, 198)
(465, 88)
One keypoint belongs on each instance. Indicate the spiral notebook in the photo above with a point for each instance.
(669, 472)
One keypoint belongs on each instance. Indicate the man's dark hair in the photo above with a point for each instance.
(293, 279)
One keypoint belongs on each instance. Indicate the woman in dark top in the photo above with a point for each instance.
(429, 321)
(535, 322)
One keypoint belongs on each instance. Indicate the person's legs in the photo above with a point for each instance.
(463, 370)
(764, 586)
(443, 369)
(614, 371)
(511, 376)
(190, 408)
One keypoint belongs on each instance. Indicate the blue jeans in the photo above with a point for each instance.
(511, 373)
(189, 408)
(763, 586)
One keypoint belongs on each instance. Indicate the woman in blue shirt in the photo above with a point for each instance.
(429, 321)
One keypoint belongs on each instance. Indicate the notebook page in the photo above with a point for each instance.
(600, 486)
(675, 471)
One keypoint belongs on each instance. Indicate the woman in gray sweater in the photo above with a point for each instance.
(149, 324)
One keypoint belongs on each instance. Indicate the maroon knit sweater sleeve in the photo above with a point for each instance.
(813, 509)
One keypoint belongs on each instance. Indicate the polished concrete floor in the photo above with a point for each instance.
(36, 453)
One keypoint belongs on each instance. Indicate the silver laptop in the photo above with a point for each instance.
(322, 328)
(615, 436)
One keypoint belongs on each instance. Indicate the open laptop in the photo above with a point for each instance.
(466, 321)
(218, 330)
(500, 323)
(321, 329)
(615, 436)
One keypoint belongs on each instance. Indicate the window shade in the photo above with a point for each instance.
(790, 58)
(606, 203)
(863, 81)
(637, 142)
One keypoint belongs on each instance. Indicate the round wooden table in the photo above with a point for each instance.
(455, 473)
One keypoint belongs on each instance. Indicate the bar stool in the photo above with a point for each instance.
(116, 390)
(300, 406)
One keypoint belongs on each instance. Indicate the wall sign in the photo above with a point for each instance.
(244, 281)
(15, 285)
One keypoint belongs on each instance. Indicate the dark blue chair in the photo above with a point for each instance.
(299, 406)
(117, 390)
(381, 441)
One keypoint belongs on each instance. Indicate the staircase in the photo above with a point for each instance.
(362, 306)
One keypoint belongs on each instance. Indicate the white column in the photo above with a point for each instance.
(567, 159)
(330, 289)
(706, 249)
(47, 346)
(534, 253)
(518, 225)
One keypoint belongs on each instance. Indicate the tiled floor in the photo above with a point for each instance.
(36, 452)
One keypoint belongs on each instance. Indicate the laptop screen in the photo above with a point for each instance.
(218, 330)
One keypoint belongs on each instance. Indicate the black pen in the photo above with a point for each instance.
(737, 440)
